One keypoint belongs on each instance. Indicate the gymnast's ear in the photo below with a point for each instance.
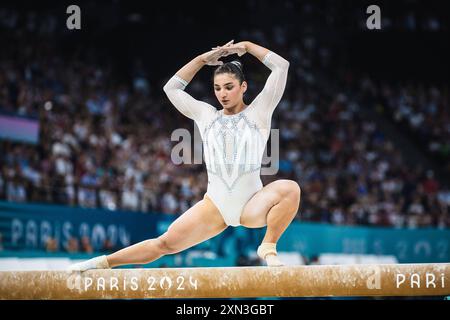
(244, 86)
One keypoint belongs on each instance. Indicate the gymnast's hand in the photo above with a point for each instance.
(211, 58)
(239, 48)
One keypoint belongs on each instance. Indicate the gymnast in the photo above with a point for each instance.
(234, 139)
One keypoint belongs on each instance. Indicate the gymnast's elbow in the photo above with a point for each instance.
(284, 64)
(167, 88)
(170, 91)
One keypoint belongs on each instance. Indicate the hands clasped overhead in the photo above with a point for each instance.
(212, 57)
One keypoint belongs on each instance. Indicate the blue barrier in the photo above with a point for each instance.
(408, 245)
(26, 227)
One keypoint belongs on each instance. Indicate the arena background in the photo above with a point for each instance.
(85, 128)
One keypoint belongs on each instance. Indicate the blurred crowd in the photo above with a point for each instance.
(77, 245)
(421, 112)
(105, 139)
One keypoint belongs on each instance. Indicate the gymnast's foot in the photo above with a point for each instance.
(268, 252)
(273, 261)
(95, 263)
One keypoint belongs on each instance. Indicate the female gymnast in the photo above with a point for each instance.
(234, 139)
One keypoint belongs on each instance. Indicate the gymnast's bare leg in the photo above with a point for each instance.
(275, 205)
(200, 223)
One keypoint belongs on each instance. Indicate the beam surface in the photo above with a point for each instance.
(288, 281)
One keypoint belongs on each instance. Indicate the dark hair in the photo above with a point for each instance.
(234, 67)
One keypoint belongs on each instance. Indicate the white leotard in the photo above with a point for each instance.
(233, 144)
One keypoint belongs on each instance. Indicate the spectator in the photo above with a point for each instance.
(108, 245)
(51, 245)
(130, 196)
(86, 245)
(72, 245)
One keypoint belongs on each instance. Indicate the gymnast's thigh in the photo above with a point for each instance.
(200, 223)
(254, 214)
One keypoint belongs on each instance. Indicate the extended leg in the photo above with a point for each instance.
(200, 223)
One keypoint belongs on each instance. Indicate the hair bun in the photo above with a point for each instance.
(237, 64)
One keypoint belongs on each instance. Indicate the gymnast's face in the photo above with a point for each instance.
(228, 90)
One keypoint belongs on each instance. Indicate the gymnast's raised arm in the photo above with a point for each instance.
(273, 90)
(174, 88)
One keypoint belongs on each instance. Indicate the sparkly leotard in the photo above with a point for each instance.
(233, 144)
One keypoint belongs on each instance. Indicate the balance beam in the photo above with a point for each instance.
(234, 282)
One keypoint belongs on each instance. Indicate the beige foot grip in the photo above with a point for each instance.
(267, 251)
(94, 263)
(102, 263)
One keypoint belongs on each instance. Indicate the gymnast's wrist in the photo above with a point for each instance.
(246, 44)
(200, 60)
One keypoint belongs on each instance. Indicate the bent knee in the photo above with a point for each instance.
(289, 188)
(166, 245)
(294, 188)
